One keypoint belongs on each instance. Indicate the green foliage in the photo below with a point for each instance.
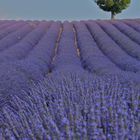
(113, 6)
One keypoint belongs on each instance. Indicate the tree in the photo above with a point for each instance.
(113, 6)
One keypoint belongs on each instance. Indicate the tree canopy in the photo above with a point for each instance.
(113, 6)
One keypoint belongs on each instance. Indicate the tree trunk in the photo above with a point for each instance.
(112, 15)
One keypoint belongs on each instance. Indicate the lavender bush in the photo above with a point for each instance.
(73, 107)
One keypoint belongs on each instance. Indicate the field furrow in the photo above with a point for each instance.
(15, 37)
(123, 41)
(112, 50)
(132, 24)
(66, 57)
(91, 56)
(30, 70)
(10, 29)
(21, 49)
(127, 30)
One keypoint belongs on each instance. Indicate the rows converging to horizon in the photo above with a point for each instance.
(70, 80)
(32, 50)
(113, 41)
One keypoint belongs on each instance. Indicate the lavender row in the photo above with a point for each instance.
(125, 43)
(74, 108)
(92, 57)
(41, 56)
(137, 20)
(96, 61)
(12, 28)
(20, 75)
(111, 49)
(3, 26)
(129, 46)
(2, 22)
(67, 58)
(6, 24)
(15, 37)
(132, 24)
(127, 30)
(29, 42)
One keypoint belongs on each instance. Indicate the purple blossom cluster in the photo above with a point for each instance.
(73, 107)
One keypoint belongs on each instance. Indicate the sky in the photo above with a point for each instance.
(60, 10)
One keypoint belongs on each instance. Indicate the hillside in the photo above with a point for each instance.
(83, 68)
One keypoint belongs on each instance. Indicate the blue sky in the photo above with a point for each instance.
(60, 10)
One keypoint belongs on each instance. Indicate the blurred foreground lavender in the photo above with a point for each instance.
(72, 107)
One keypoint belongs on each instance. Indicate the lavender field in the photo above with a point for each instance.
(76, 80)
